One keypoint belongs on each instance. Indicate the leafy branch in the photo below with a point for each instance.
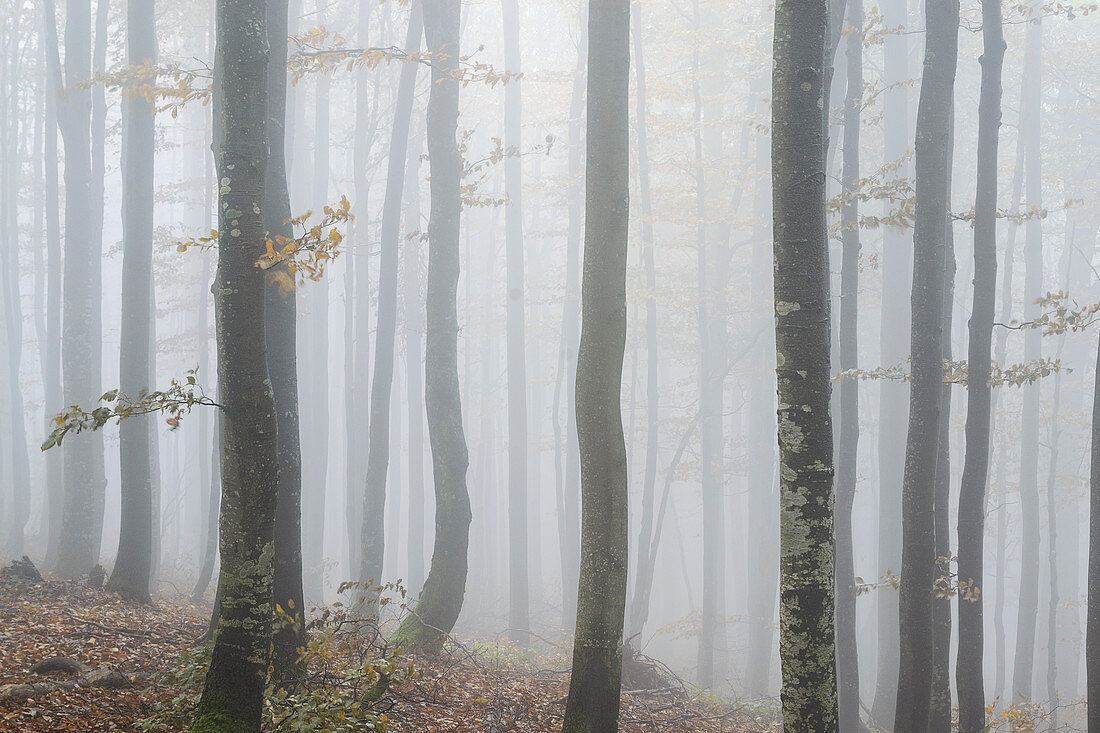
(175, 402)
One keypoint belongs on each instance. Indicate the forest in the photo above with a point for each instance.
(550, 365)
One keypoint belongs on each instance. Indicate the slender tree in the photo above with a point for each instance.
(130, 576)
(894, 348)
(925, 404)
(975, 477)
(83, 472)
(441, 600)
(374, 499)
(593, 703)
(643, 579)
(1028, 608)
(518, 593)
(848, 443)
(232, 696)
(280, 314)
(1092, 627)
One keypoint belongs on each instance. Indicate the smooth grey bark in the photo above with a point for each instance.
(569, 502)
(939, 720)
(83, 471)
(593, 703)
(969, 678)
(210, 550)
(933, 163)
(643, 578)
(51, 370)
(847, 660)
(1092, 626)
(372, 545)
(280, 333)
(894, 348)
(713, 267)
(315, 409)
(11, 153)
(441, 600)
(802, 313)
(232, 696)
(1028, 608)
(414, 367)
(130, 576)
(519, 615)
(763, 547)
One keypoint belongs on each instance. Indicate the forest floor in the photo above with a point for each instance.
(471, 686)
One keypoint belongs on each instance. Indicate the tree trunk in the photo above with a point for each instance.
(643, 579)
(414, 366)
(933, 163)
(131, 573)
(315, 408)
(593, 703)
(84, 477)
(372, 546)
(1028, 609)
(518, 593)
(801, 266)
(847, 660)
(441, 600)
(975, 477)
(280, 318)
(232, 696)
(1092, 630)
(894, 348)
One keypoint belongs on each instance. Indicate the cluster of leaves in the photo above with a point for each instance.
(169, 86)
(957, 372)
(884, 184)
(177, 400)
(304, 255)
(1059, 315)
(888, 580)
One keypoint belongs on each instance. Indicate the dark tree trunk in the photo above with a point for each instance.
(280, 318)
(939, 720)
(975, 477)
(801, 273)
(210, 551)
(593, 703)
(372, 547)
(441, 600)
(933, 163)
(131, 573)
(847, 660)
(232, 697)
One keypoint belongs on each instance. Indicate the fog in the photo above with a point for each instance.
(698, 380)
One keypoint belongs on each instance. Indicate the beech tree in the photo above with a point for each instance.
(132, 570)
(441, 599)
(919, 565)
(975, 477)
(801, 281)
(593, 703)
(232, 697)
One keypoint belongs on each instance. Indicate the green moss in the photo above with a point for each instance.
(219, 722)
